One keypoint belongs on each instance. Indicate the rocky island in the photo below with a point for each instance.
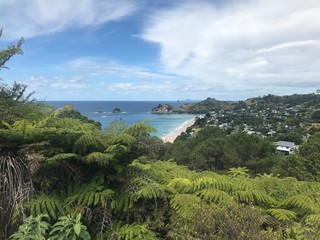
(162, 109)
(116, 110)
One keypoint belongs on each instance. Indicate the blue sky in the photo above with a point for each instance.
(162, 49)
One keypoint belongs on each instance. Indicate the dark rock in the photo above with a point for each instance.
(162, 109)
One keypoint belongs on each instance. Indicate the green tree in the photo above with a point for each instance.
(10, 51)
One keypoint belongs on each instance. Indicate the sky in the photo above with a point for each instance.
(162, 49)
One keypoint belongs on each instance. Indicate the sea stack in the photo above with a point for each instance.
(116, 110)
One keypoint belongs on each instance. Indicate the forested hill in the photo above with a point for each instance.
(307, 101)
(210, 104)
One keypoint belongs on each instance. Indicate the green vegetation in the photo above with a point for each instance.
(62, 177)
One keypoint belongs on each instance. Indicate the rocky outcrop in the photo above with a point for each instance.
(162, 109)
(116, 110)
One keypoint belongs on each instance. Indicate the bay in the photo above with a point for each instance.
(131, 112)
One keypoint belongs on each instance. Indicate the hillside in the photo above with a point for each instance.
(309, 101)
(289, 118)
(210, 104)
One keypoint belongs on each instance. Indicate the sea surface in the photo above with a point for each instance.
(131, 113)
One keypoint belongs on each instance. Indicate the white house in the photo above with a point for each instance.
(286, 147)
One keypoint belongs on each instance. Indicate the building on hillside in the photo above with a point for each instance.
(286, 147)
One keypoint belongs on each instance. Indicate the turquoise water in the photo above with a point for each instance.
(131, 112)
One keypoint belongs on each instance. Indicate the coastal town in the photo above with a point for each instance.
(288, 118)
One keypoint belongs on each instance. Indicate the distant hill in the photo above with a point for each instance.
(311, 101)
(210, 104)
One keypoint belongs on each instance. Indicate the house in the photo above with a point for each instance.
(286, 147)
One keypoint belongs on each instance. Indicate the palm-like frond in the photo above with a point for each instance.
(282, 214)
(140, 129)
(89, 195)
(185, 204)
(46, 204)
(214, 195)
(55, 160)
(152, 190)
(181, 185)
(89, 143)
(136, 232)
(204, 182)
(120, 143)
(257, 197)
(102, 159)
(302, 205)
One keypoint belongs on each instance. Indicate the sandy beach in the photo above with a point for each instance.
(170, 137)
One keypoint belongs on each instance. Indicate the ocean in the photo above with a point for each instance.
(131, 113)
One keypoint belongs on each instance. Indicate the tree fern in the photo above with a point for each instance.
(152, 190)
(181, 185)
(120, 143)
(89, 143)
(185, 204)
(102, 159)
(238, 172)
(214, 195)
(89, 195)
(140, 129)
(57, 159)
(282, 214)
(257, 197)
(136, 232)
(302, 205)
(15, 187)
(203, 182)
(50, 205)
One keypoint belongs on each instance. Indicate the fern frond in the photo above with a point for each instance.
(140, 129)
(313, 218)
(244, 196)
(308, 188)
(315, 197)
(204, 182)
(261, 198)
(50, 205)
(90, 194)
(257, 197)
(57, 159)
(123, 139)
(102, 159)
(302, 205)
(152, 190)
(214, 195)
(89, 143)
(238, 172)
(181, 185)
(282, 214)
(136, 232)
(185, 204)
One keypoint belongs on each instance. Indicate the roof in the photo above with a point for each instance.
(285, 144)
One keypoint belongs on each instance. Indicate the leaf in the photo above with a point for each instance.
(77, 228)
(181, 185)
(282, 214)
(214, 195)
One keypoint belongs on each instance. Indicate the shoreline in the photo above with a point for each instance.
(171, 136)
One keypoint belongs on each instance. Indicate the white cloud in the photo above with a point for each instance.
(155, 86)
(75, 83)
(37, 17)
(240, 45)
(103, 67)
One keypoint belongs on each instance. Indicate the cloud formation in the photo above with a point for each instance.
(75, 83)
(240, 45)
(37, 17)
